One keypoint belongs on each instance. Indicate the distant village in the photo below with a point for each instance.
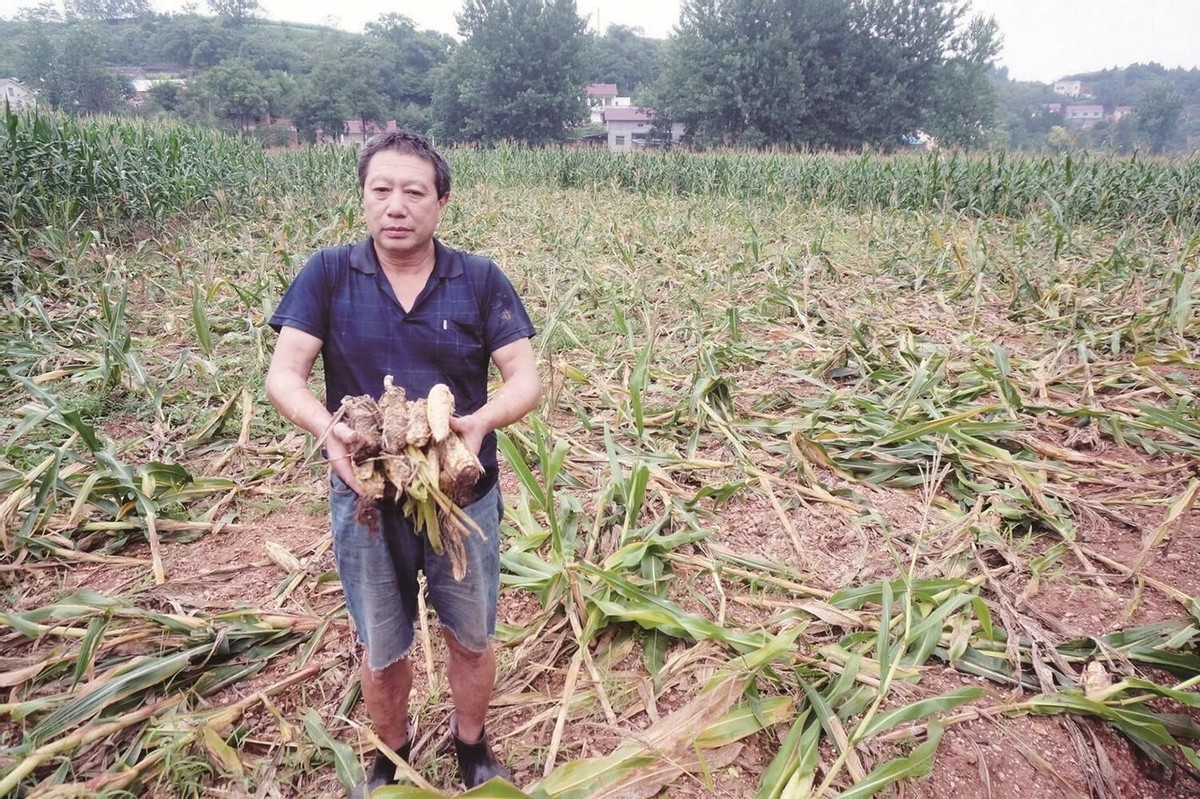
(619, 125)
(1083, 115)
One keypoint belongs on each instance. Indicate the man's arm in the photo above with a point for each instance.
(287, 388)
(520, 394)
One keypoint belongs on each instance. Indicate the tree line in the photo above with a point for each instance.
(837, 74)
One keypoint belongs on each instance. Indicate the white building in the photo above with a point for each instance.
(629, 128)
(16, 94)
(1068, 88)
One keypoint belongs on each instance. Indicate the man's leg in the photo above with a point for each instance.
(472, 676)
(386, 693)
(466, 607)
(379, 580)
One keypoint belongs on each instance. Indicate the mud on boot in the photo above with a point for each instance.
(476, 763)
(383, 772)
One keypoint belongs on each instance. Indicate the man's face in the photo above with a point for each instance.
(401, 206)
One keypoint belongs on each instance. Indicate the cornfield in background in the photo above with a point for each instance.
(819, 432)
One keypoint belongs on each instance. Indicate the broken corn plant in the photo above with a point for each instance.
(815, 424)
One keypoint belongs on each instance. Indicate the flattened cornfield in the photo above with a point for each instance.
(855, 475)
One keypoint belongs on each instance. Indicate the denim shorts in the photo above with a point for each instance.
(378, 569)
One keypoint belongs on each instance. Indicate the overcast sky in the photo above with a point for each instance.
(1043, 39)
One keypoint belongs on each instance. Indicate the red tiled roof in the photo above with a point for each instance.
(628, 114)
(354, 127)
(602, 90)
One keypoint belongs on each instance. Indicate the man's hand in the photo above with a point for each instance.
(338, 443)
(516, 397)
(471, 429)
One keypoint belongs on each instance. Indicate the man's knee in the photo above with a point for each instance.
(397, 670)
(460, 650)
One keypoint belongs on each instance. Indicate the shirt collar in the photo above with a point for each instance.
(446, 264)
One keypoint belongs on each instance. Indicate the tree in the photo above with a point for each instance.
(36, 58)
(44, 11)
(165, 95)
(78, 80)
(235, 12)
(1158, 115)
(408, 58)
(759, 72)
(1059, 139)
(828, 73)
(449, 113)
(319, 111)
(518, 75)
(360, 80)
(239, 93)
(964, 97)
(263, 47)
(106, 10)
(341, 86)
(627, 58)
(282, 92)
(1023, 115)
(177, 41)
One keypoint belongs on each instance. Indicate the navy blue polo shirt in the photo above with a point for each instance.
(467, 310)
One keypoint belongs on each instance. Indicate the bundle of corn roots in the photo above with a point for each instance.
(405, 452)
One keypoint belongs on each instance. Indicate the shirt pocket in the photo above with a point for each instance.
(466, 345)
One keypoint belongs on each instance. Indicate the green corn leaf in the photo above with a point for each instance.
(200, 320)
(925, 635)
(495, 788)
(934, 425)
(797, 755)
(654, 653)
(88, 646)
(636, 495)
(821, 707)
(516, 461)
(1189, 698)
(637, 387)
(744, 720)
(349, 772)
(925, 589)
(913, 766)
(883, 648)
(137, 676)
(918, 710)
(1142, 727)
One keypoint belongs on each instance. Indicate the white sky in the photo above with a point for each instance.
(1043, 39)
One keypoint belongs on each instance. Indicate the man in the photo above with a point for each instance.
(401, 303)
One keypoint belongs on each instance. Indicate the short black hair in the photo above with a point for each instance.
(409, 143)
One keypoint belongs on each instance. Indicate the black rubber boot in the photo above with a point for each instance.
(383, 772)
(476, 763)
